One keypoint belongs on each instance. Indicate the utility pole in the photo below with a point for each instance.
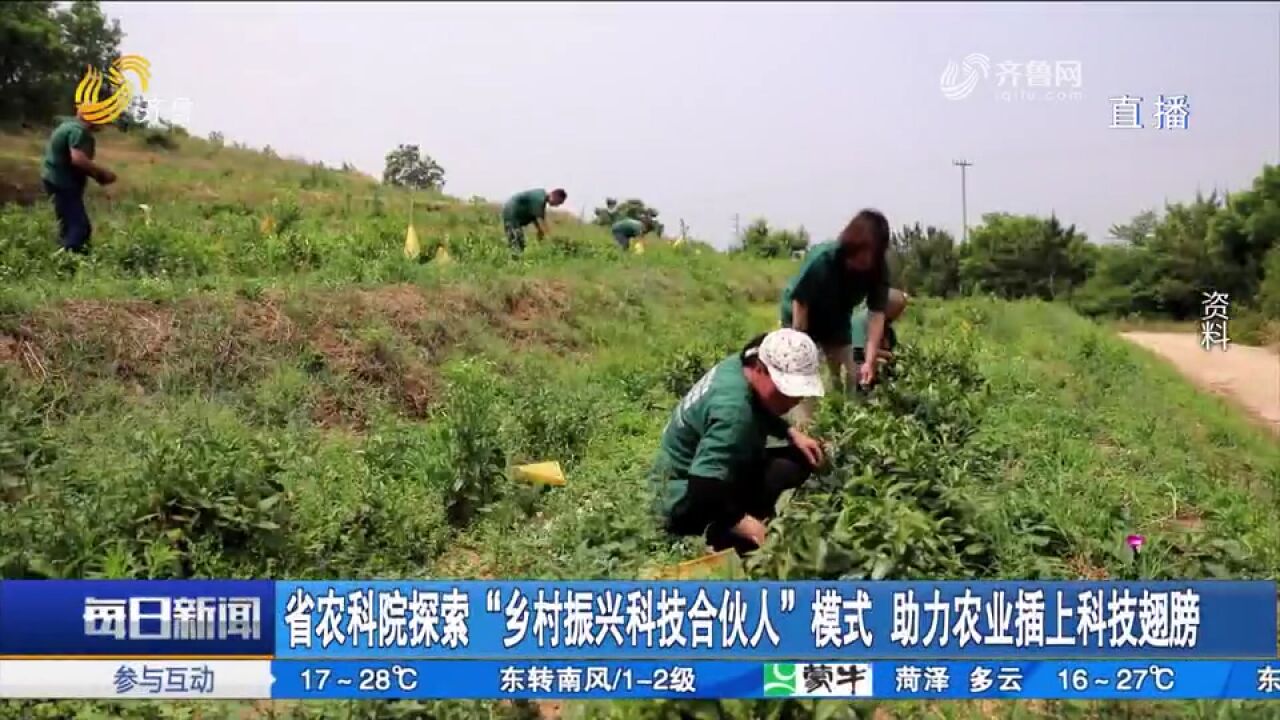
(964, 200)
(737, 234)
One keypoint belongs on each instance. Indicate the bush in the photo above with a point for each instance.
(899, 500)
(160, 138)
(472, 433)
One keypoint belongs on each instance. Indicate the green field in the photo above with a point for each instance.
(256, 383)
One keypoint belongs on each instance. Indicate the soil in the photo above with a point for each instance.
(1250, 376)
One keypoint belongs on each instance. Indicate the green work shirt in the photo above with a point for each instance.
(716, 430)
(858, 326)
(858, 330)
(57, 168)
(524, 208)
(628, 228)
(831, 292)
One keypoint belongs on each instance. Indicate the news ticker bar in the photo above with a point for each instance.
(565, 680)
(635, 620)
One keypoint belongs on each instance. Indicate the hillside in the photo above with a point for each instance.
(258, 384)
(222, 215)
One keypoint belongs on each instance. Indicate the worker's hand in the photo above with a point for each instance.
(811, 448)
(867, 373)
(751, 529)
(106, 177)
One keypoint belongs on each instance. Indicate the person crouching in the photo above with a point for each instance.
(714, 474)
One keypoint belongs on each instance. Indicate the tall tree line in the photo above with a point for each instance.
(44, 51)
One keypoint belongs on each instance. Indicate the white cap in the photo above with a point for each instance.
(793, 361)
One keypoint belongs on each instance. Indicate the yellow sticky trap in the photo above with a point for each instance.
(442, 255)
(411, 247)
(639, 247)
(699, 568)
(544, 473)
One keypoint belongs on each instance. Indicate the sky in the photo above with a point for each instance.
(799, 113)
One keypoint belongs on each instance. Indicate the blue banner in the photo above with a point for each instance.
(738, 620)
(209, 618)
(477, 620)
(704, 679)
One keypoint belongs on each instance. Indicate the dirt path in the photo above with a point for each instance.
(1248, 375)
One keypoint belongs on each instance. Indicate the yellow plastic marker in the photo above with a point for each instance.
(639, 247)
(543, 473)
(442, 255)
(695, 568)
(411, 247)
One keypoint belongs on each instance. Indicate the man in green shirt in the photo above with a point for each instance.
(67, 166)
(627, 229)
(714, 474)
(858, 327)
(834, 278)
(529, 207)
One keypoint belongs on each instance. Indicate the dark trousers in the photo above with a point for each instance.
(74, 228)
(890, 343)
(515, 238)
(756, 489)
(623, 241)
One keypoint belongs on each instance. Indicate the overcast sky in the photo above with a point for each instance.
(802, 114)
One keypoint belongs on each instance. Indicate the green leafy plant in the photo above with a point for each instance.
(477, 459)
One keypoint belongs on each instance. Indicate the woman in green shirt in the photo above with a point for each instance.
(833, 280)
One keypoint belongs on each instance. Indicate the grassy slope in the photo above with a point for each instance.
(300, 403)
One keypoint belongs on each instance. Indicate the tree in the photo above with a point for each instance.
(634, 208)
(408, 167)
(1212, 244)
(1138, 231)
(1245, 230)
(756, 239)
(92, 41)
(46, 51)
(1181, 260)
(28, 67)
(760, 240)
(795, 241)
(1122, 282)
(1024, 256)
(925, 261)
(1269, 292)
